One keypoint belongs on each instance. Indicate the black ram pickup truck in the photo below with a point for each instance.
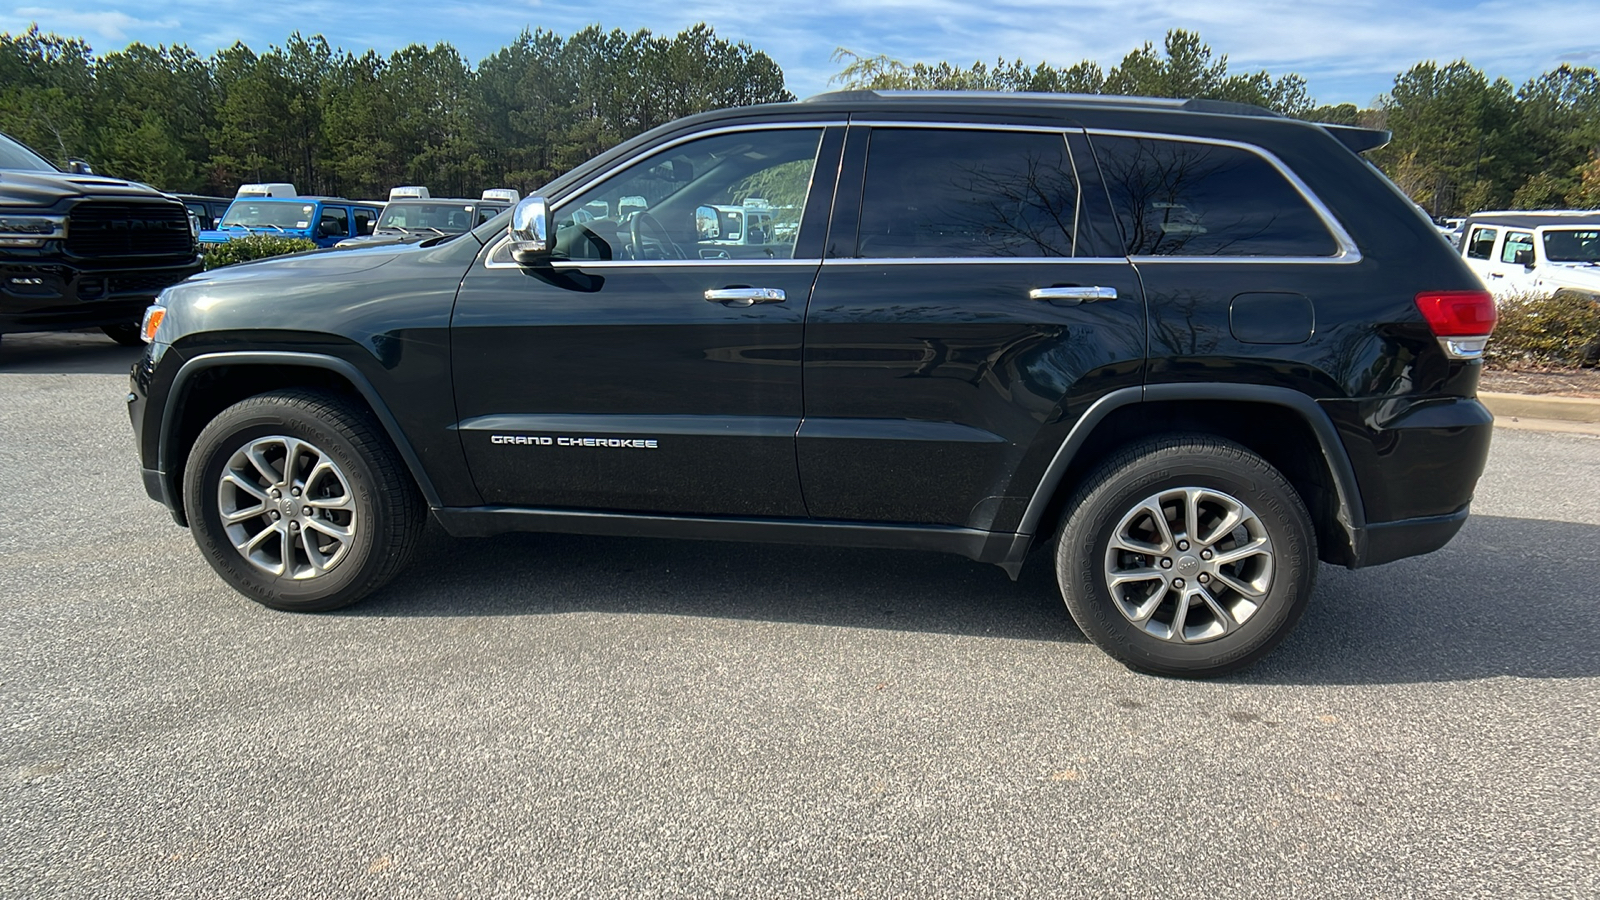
(81, 251)
(1184, 349)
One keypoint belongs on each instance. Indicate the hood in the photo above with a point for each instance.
(1585, 275)
(42, 190)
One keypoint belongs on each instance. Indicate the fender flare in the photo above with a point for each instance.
(1351, 515)
(192, 367)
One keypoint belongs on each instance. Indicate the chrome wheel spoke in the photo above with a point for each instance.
(337, 532)
(1247, 590)
(1224, 617)
(1179, 616)
(1256, 547)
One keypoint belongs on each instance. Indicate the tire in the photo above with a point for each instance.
(126, 335)
(365, 511)
(1239, 592)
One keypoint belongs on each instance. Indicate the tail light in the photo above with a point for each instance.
(1461, 320)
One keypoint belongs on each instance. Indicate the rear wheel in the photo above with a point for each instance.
(126, 335)
(299, 501)
(1187, 556)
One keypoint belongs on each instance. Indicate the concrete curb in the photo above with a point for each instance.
(1539, 406)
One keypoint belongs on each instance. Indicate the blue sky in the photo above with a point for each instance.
(1348, 50)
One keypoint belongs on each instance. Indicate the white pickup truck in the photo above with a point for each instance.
(1536, 254)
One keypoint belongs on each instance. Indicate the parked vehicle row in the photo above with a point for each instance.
(1185, 348)
(1535, 253)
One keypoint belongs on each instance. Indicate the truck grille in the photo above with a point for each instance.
(129, 229)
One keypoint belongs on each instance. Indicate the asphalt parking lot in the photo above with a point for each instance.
(534, 716)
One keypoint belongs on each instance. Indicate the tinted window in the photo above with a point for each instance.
(673, 202)
(1572, 245)
(932, 193)
(1517, 242)
(1480, 245)
(1183, 198)
(335, 221)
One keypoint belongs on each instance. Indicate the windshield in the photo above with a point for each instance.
(15, 156)
(1572, 245)
(450, 218)
(280, 214)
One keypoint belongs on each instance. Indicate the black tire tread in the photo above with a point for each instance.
(1104, 477)
(407, 512)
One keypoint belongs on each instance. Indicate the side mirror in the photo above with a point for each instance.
(529, 242)
(707, 223)
(77, 166)
(1523, 258)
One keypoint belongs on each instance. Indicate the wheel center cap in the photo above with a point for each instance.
(287, 505)
(1188, 565)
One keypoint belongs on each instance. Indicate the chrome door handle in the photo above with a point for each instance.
(745, 296)
(1076, 294)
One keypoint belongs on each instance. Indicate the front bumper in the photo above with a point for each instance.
(53, 295)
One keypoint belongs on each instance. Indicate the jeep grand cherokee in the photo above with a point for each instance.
(1186, 349)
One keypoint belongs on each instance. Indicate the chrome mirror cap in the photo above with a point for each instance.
(529, 241)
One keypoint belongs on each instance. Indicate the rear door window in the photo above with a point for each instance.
(936, 193)
(1188, 198)
(1480, 243)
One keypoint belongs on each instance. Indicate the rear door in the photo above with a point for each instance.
(962, 320)
(1509, 270)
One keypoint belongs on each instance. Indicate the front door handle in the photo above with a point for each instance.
(744, 296)
(1073, 294)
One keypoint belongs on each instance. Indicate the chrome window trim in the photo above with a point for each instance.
(965, 126)
(1348, 251)
(969, 260)
(555, 202)
(1072, 160)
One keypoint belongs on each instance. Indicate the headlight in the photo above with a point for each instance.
(152, 322)
(30, 231)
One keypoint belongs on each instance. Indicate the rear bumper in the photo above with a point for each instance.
(1386, 542)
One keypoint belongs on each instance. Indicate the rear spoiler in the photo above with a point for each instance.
(1359, 140)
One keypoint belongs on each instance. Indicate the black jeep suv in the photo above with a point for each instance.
(1189, 348)
(80, 251)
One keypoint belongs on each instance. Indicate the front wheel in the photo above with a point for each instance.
(299, 501)
(1186, 556)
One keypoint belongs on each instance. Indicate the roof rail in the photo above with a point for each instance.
(1218, 107)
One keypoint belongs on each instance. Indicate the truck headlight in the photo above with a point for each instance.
(30, 231)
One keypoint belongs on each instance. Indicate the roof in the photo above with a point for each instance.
(1536, 218)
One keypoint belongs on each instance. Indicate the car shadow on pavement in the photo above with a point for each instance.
(530, 574)
(1508, 597)
(64, 353)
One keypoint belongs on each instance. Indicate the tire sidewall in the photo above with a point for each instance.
(1081, 553)
(218, 442)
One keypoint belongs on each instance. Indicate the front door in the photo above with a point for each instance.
(654, 365)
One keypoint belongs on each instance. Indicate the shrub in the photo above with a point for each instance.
(256, 246)
(1563, 330)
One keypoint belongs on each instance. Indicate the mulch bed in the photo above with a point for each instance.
(1563, 382)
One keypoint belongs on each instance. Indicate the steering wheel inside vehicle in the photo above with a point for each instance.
(659, 246)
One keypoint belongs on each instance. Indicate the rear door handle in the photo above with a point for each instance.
(745, 296)
(1073, 294)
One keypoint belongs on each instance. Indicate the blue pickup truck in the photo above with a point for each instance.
(323, 220)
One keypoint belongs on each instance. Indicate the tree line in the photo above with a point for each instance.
(335, 122)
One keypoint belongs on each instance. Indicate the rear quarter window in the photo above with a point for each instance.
(1183, 198)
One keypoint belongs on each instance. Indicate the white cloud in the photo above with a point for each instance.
(113, 25)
